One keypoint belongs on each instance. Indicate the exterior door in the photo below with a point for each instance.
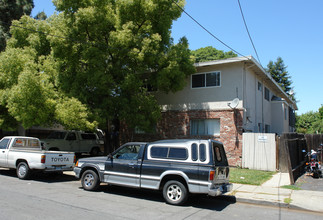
(4, 151)
(123, 167)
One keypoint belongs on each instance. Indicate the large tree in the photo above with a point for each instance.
(96, 61)
(310, 122)
(210, 53)
(279, 72)
(11, 10)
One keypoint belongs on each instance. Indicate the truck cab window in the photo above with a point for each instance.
(129, 152)
(4, 143)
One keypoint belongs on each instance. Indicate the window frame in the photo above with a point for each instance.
(205, 82)
(205, 126)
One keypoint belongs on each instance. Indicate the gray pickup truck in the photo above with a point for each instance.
(175, 167)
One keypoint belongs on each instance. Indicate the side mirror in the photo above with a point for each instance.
(110, 157)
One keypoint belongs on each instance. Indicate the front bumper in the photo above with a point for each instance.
(217, 190)
(77, 171)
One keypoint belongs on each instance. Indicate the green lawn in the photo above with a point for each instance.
(251, 177)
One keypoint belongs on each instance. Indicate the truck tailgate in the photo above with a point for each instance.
(59, 160)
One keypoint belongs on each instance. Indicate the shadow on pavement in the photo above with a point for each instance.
(40, 176)
(197, 201)
(7, 172)
(52, 177)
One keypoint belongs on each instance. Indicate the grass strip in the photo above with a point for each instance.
(250, 177)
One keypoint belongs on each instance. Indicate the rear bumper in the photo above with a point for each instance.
(58, 169)
(217, 190)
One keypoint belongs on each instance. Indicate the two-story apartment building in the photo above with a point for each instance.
(205, 107)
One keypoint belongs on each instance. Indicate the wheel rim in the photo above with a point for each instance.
(174, 192)
(22, 170)
(88, 180)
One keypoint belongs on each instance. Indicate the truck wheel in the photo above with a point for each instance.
(95, 151)
(175, 193)
(23, 171)
(90, 180)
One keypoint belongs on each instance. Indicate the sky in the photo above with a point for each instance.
(290, 29)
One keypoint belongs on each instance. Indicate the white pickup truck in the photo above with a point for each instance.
(25, 154)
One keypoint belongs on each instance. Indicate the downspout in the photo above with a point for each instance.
(244, 94)
(262, 107)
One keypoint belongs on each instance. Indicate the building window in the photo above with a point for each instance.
(285, 111)
(259, 86)
(266, 94)
(205, 127)
(267, 128)
(211, 79)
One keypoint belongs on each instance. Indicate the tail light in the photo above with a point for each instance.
(211, 175)
(42, 158)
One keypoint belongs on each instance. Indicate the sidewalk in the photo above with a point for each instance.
(270, 193)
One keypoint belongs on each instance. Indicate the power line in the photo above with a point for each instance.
(207, 30)
(245, 24)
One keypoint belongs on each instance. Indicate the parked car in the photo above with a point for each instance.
(176, 167)
(25, 154)
(73, 141)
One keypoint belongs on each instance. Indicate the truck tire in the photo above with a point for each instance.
(95, 151)
(90, 180)
(23, 170)
(175, 192)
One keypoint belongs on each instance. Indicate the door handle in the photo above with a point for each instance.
(131, 165)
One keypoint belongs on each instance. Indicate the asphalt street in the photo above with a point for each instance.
(49, 196)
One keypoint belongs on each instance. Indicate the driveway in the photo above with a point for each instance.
(306, 182)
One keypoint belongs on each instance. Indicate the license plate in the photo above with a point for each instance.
(221, 176)
(58, 168)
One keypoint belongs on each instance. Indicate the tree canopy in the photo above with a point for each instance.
(279, 72)
(310, 122)
(210, 53)
(11, 10)
(91, 63)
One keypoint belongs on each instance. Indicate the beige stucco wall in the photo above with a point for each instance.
(211, 98)
(281, 122)
(237, 81)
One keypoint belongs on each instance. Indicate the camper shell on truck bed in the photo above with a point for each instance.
(176, 167)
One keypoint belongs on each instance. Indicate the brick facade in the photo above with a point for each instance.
(176, 124)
